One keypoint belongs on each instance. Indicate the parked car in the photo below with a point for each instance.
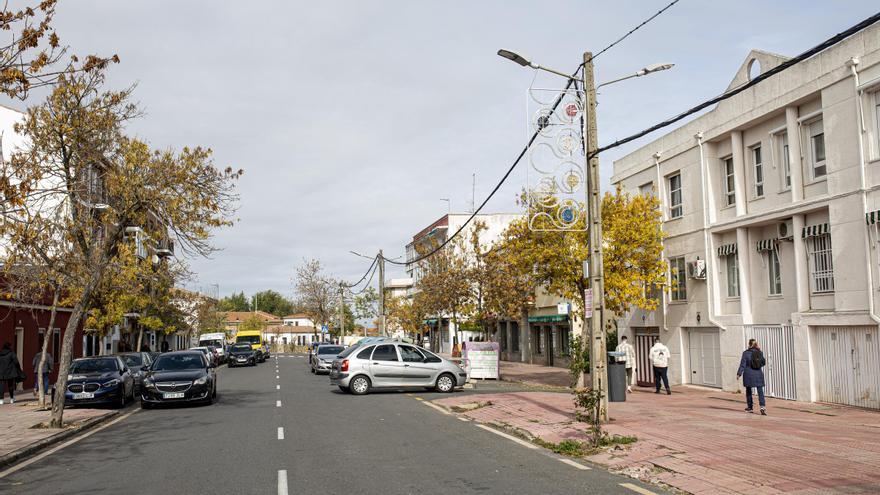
(137, 363)
(255, 339)
(210, 356)
(217, 340)
(311, 350)
(241, 355)
(394, 365)
(99, 380)
(324, 356)
(180, 377)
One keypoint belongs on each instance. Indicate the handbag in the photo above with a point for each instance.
(22, 376)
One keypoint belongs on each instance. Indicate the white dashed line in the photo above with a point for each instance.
(573, 464)
(282, 482)
(277, 403)
(277, 387)
(280, 433)
(277, 377)
(509, 437)
(637, 489)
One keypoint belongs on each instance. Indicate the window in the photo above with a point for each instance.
(759, 171)
(677, 279)
(782, 141)
(514, 337)
(410, 354)
(537, 340)
(675, 209)
(647, 189)
(733, 275)
(817, 149)
(729, 181)
(821, 267)
(564, 340)
(773, 269)
(385, 353)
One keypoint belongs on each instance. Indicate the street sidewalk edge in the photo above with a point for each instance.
(41, 445)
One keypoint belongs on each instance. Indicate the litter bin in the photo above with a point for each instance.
(616, 377)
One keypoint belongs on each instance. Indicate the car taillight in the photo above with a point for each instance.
(344, 366)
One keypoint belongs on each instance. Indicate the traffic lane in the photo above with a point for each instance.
(389, 442)
(180, 449)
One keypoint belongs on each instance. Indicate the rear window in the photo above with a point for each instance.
(365, 354)
(330, 349)
(385, 352)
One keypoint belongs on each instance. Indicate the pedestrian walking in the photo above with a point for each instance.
(629, 358)
(750, 369)
(660, 361)
(10, 372)
(47, 368)
(165, 346)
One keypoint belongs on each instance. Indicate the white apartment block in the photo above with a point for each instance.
(770, 203)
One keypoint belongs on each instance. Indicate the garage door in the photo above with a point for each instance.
(705, 357)
(847, 365)
(777, 344)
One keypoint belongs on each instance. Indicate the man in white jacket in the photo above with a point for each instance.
(629, 358)
(660, 361)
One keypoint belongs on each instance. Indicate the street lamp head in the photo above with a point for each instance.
(509, 55)
(657, 68)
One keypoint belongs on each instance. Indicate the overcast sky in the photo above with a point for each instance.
(352, 119)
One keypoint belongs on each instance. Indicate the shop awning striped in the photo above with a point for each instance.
(727, 249)
(767, 244)
(872, 217)
(815, 230)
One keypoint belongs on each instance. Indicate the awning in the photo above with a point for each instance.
(726, 249)
(430, 321)
(815, 230)
(548, 318)
(872, 217)
(767, 244)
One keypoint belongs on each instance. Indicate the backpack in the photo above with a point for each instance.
(757, 360)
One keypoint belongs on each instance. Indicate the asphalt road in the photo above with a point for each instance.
(332, 443)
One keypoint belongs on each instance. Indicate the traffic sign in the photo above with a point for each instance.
(571, 109)
(324, 329)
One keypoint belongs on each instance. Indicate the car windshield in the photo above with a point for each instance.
(248, 339)
(171, 362)
(240, 348)
(132, 360)
(214, 342)
(331, 349)
(93, 366)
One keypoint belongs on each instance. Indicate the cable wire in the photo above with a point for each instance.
(374, 267)
(739, 89)
(633, 30)
(375, 260)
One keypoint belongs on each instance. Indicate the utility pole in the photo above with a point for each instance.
(341, 310)
(598, 369)
(381, 294)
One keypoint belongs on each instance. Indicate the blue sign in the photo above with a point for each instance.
(567, 215)
(324, 329)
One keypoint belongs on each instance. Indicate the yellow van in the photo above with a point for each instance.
(255, 339)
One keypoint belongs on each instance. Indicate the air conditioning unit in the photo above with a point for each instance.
(784, 230)
(697, 269)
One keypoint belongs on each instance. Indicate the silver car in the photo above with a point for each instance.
(394, 365)
(324, 356)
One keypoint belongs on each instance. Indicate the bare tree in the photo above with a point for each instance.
(316, 293)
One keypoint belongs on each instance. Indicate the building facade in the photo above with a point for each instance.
(770, 206)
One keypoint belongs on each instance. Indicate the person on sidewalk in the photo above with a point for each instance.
(750, 369)
(629, 358)
(10, 371)
(660, 361)
(47, 368)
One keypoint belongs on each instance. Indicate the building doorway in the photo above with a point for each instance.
(645, 338)
(705, 356)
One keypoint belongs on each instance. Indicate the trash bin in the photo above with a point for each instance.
(616, 377)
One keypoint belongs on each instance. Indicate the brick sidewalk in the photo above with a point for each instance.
(702, 442)
(17, 423)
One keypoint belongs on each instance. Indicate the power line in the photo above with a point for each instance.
(739, 89)
(375, 260)
(373, 267)
(571, 80)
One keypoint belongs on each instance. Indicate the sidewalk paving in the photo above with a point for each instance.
(20, 437)
(701, 441)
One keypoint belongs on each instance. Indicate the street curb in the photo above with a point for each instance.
(41, 445)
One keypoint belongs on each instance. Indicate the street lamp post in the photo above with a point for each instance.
(594, 269)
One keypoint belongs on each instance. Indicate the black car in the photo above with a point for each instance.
(241, 355)
(99, 380)
(180, 376)
(137, 363)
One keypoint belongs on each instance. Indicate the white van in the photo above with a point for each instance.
(217, 340)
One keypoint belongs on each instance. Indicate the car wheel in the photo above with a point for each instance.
(359, 385)
(344, 389)
(122, 399)
(214, 393)
(445, 383)
(146, 405)
(313, 370)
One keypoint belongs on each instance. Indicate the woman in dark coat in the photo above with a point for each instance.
(10, 371)
(751, 370)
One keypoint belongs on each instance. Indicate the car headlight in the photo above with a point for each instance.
(112, 383)
(149, 383)
(201, 381)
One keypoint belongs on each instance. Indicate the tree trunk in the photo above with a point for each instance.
(46, 337)
(524, 335)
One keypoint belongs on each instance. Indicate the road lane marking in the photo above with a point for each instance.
(280, 433)
(637, 489)
(72, 441)
(509, 437)
(277, 403)
(282, 482)
(573, 464)
(277, 377)
(277, 387)
(435, 406)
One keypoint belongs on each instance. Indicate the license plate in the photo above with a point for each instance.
(172, 395)
(84, 395)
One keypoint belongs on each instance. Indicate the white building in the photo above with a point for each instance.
(775, 192)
